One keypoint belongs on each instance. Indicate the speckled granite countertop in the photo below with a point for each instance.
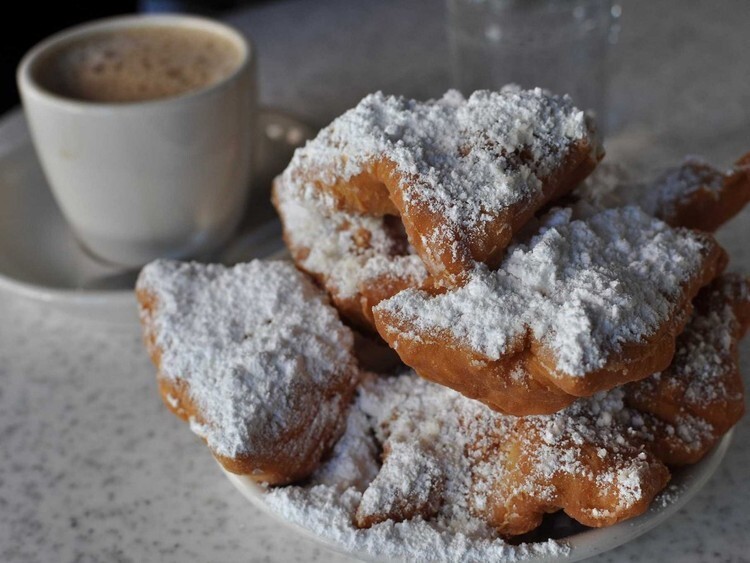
(94, 468)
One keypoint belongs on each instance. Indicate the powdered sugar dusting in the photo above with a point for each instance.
(354, 461)
(582, 288)
(420, 426)
(556, 454)
(708, 344)
(700, 396)
(256, 344)
(456, 460)
(666, 196)
(609, 185)
(327, 513)
(675, 186)
(467, 158)
(347, 249)
(439, 437)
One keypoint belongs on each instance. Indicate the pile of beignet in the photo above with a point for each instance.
(575, 334)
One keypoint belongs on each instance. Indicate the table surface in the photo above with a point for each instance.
(94, 468)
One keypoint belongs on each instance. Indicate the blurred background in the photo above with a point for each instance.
(675, 74)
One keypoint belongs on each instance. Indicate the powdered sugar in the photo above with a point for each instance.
(609, 185)
(327, 513)
(583, 289)
(256, 345)
(702, 361)
(434, 142)
(347, 249)
(700, 396)
(466, 448)
(419, 423)
(675, 186)
(461, 173)
(447, 461)
(553, 455)
(666, 196)
(434, 440)
(354, 461)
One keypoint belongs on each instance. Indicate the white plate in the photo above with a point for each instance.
(40, 259)
(685, 483)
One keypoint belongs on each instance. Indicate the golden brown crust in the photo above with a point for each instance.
(716, 199)
(700, 396)
(274, 457)
(516, 503)
(418, 493)
(464, 175)
(445, 455)
(276, 466)
(354, 306)
(449, 253)
(440, 357)
(504, 386)
(364, 193)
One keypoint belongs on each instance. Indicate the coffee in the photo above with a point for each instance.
(138, 64)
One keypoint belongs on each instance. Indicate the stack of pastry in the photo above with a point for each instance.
(570, 337)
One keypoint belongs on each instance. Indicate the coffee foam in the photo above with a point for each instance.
(132, 65)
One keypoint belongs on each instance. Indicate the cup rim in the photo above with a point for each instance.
(28, 85)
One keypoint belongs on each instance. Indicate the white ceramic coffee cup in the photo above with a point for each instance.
(160, 178)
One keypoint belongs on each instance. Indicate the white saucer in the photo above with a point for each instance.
(685, 483)
(40, 259)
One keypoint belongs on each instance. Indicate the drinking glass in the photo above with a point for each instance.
(561, 45)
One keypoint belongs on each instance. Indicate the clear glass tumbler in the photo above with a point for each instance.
(561, 45)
